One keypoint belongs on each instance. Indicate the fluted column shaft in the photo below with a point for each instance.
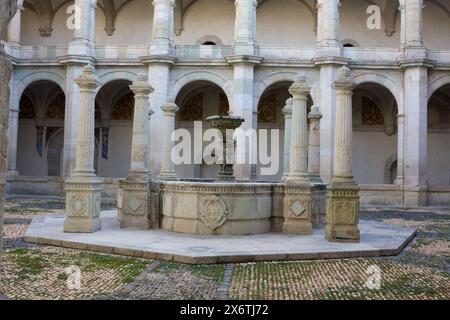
(287, 112)
(88, 83)
(343, 139)
(168, 168)
(314, 144)
(298, 172)
(140, 148)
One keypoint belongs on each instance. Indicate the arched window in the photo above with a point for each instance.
(209, 43)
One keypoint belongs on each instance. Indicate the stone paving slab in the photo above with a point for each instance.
(377, 239)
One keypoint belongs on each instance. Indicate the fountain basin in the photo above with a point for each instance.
(217, 208)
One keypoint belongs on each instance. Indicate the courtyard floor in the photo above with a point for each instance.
(421, 271)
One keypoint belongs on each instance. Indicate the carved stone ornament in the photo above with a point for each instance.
(78, 205)
(213, 212)
(345, 213)
(297, 208)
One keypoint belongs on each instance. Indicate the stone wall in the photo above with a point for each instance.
(7, 10)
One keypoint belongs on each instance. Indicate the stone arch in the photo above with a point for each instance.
(437, 83)
(387, 168)
(109, 77)
(384, 81)
(351, 42)
(184, 80)
(209, 38)
(25, 82)
(272, 79)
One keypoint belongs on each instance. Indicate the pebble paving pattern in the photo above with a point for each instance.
(421, 271)
(41, 272)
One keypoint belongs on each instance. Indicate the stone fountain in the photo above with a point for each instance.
(222, 206)
(226, 124)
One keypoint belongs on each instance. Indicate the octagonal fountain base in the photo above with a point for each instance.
(217, 208)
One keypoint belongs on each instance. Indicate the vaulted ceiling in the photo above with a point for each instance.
(46, 10)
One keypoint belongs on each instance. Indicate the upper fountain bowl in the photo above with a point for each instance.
(225, 122)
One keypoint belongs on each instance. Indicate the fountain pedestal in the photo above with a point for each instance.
(226, 125)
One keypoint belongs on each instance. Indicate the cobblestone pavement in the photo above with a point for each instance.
(43, 272)
(422, 271)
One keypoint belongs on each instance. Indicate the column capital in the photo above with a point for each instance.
(315, 113)
(287, 110)
(170, 108)
(300, 88)
(88, 81)
(344, 82)
(141, 86)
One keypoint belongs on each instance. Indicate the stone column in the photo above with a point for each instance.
(342, 213)
(245, 27)
(328, 40)
(83, 187)
(167, 168)
(134, 200)
(415, 134)
(298, 201)
(412, 47)
(414, 23)
(83, 43)
(287, 112)
(298, 172)
(13, 131)
(314, 145)
(400, 149)
(242, 106)
(159, 75)
(163, 17)
(14, 27)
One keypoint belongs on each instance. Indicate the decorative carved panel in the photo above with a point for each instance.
(192, 110)
(371, 113)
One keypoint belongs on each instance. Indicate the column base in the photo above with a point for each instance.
(415, 196)
(297, 209)
(342, 212)
(134, 205)
(83, 202)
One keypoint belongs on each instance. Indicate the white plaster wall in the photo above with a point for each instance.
(371, 150)
(119, 156)
(285, 22)
(438, 161)
(353, 26)
(134, 25)
(436, 27)
(29, 163)
(61, 35)
(208, 17)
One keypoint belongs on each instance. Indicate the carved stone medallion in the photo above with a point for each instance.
(213, 212)
(78, 205)
(344, 213)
